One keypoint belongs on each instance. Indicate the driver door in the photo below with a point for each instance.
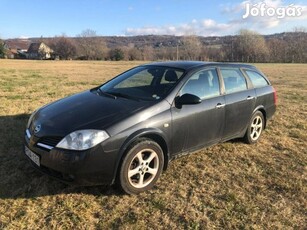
(198, 125)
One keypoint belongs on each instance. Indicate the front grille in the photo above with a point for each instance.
(50, 141)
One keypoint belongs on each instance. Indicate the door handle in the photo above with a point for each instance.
(219, 106)
(249, 98)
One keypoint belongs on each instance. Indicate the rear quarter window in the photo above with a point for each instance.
(234, 80)
(257, 79)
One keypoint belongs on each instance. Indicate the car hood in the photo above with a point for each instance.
(85, 110)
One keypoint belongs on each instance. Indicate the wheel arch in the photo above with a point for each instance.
(261, 109)
(153, 134)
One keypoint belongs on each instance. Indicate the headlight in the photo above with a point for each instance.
(83, 139)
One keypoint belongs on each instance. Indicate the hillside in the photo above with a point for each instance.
(290, 47)
(162, 40)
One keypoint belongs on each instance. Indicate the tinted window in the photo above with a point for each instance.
(204, 84)
(234, 80)
(257, 79)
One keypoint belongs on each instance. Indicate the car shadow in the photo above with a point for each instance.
(19, 179)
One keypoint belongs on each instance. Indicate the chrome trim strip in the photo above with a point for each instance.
(28, 133)
(45, 146)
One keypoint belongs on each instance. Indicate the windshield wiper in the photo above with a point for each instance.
(117, 94)
(106, 94)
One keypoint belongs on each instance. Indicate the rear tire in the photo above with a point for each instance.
(255, 128)
(141, 167)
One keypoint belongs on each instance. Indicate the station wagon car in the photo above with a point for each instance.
(128, 129)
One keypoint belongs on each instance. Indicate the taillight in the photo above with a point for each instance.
(275, 96)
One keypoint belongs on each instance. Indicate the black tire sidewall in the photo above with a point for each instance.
(134, 149)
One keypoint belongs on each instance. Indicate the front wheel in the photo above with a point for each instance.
(141, 167)
(255, 128)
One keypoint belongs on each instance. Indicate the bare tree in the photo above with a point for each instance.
(91, 47)
(64, 47)
(278, 50)
(250, 46)
(134, 54)
(148, 53)
(191, 47)
(297, 46)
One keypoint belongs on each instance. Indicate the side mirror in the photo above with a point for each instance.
(187, 99)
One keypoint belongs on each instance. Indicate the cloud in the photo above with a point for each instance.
(211, 27)
(206, 27)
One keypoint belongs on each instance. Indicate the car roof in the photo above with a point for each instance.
(187, 65)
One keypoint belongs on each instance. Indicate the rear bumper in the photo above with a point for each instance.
(90, 167)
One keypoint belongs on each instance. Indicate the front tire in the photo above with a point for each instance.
(141, 167)
(255, 128)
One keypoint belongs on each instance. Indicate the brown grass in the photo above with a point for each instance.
(231, 185)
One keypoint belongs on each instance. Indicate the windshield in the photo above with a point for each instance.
(144, 83)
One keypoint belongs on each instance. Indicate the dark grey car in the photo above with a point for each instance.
(128, 129)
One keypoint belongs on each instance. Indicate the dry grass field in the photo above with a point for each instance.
(228, 186)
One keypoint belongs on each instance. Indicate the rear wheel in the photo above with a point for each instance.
(141, 167)
(255, 128)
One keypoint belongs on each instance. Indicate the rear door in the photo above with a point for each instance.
(239, 100)
(194, 126)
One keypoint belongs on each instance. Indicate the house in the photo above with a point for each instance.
(16, 48)
(39, 51)
(10, 54)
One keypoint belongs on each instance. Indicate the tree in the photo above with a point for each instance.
(148, 53)
(190, 48)
(64, 47)
(250, 46)
(134, 54)
(297, 46)
(2, 49)
(278, 50)
(91, 47)
(116, 54)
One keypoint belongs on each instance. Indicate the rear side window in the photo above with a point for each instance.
(234, 80)
(257, 79)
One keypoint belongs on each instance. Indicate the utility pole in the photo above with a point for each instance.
(177, 49)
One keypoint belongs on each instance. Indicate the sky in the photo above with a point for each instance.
(48, 18)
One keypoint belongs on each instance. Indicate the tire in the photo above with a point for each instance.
(255, 128)
(141, 167)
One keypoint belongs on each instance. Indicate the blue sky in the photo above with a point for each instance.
(35, 18)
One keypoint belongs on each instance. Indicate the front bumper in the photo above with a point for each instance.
(90, 167)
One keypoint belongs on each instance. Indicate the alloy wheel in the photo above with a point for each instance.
(143, 168)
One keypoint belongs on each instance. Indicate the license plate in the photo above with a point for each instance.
(34, 157)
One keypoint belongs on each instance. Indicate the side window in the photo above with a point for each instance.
(234, 80)
(204, 84)
(257, 79)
